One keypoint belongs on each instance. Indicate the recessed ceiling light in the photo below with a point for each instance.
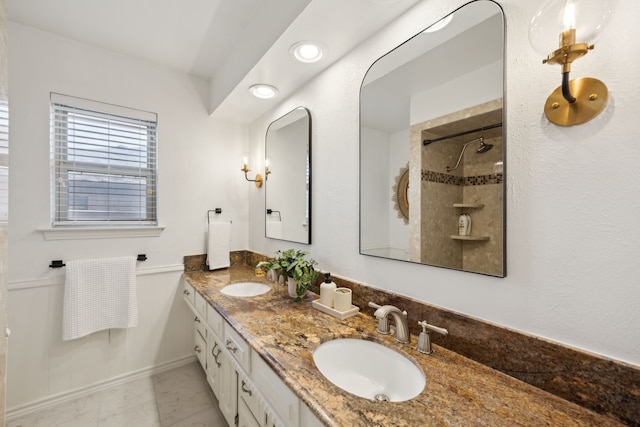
(440, 24)
(263, 91)
(306, 51)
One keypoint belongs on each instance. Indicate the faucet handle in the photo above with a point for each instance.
(424, 339)
(374, 305)
(437, 329)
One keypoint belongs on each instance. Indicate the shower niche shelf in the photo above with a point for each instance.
(468, 238)
(468, 205)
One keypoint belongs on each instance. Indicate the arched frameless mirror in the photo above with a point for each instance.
(435, 103)
(288, 181)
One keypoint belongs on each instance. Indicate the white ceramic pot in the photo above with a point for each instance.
(292, 285)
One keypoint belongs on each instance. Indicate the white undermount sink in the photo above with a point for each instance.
(245, 289)
(369, 370)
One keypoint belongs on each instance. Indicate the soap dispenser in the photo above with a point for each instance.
(326, 291)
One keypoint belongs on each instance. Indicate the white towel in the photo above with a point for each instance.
(274, 229)
(99, 294)
(218, 245)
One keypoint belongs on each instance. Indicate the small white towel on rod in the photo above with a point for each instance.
(218, 242)
(99, 294)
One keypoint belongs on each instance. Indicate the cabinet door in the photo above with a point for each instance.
(189, 294)
(214, 364)
(245, 417)
(228, 389)
(238, 348)
(279, 396)
(200, 348)
(201, 305)
(200, 326)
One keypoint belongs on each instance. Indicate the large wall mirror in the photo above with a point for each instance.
(431, 146)
(288, 184)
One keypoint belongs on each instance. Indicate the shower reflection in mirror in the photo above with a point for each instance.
(435, 103)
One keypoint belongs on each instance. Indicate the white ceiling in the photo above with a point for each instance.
(231, 43)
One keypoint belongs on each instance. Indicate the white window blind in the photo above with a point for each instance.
(104, 163)
(4, 160)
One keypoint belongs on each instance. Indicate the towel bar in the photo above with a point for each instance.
(58, 263)
(216, 210)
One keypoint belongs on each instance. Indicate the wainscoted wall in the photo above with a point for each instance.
(196, 172)
(4, 197)
(43, 369)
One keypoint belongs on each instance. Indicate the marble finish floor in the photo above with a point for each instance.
(180, 397)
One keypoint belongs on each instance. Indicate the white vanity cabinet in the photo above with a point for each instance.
(197, 304)
(249, 392)
(214, 365)
(279, 397)
(214, 368)
(189, 295)
(251, 408)
(228, 399)
(200, 348)
(245, 417)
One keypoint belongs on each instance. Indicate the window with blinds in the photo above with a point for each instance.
(104, 163)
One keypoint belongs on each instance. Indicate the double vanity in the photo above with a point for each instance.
(262, 356)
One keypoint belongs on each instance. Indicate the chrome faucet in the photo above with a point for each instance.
(399, 318)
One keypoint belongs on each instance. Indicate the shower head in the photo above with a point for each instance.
(484, 147)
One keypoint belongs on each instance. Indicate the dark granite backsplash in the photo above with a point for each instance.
(606, 386)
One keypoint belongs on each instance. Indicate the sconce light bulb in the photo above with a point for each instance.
(569, 16)
(587, 17)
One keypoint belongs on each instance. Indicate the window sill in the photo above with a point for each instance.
(64, 233)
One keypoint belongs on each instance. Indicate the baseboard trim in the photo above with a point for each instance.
(47, 402)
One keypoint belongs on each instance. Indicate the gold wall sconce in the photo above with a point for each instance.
(579, 23)
(267, 171)
(245, 169)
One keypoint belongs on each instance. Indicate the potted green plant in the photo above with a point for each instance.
(299, 270)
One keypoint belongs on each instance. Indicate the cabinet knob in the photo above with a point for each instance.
(186, 292)
(244, 389)
(196, 319)
(197, 349)
(231, 347)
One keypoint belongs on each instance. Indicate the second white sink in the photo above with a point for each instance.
(245, 289)
(370, 370)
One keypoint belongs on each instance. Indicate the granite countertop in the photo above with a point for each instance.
(458, 391)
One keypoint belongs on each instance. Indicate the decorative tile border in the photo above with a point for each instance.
(445, 178)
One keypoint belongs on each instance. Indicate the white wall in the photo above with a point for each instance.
(375, 174)
(454, 96)
(572, 193)
(199, 169)
(382, 159)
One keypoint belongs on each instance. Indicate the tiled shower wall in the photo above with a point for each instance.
(478, 179)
